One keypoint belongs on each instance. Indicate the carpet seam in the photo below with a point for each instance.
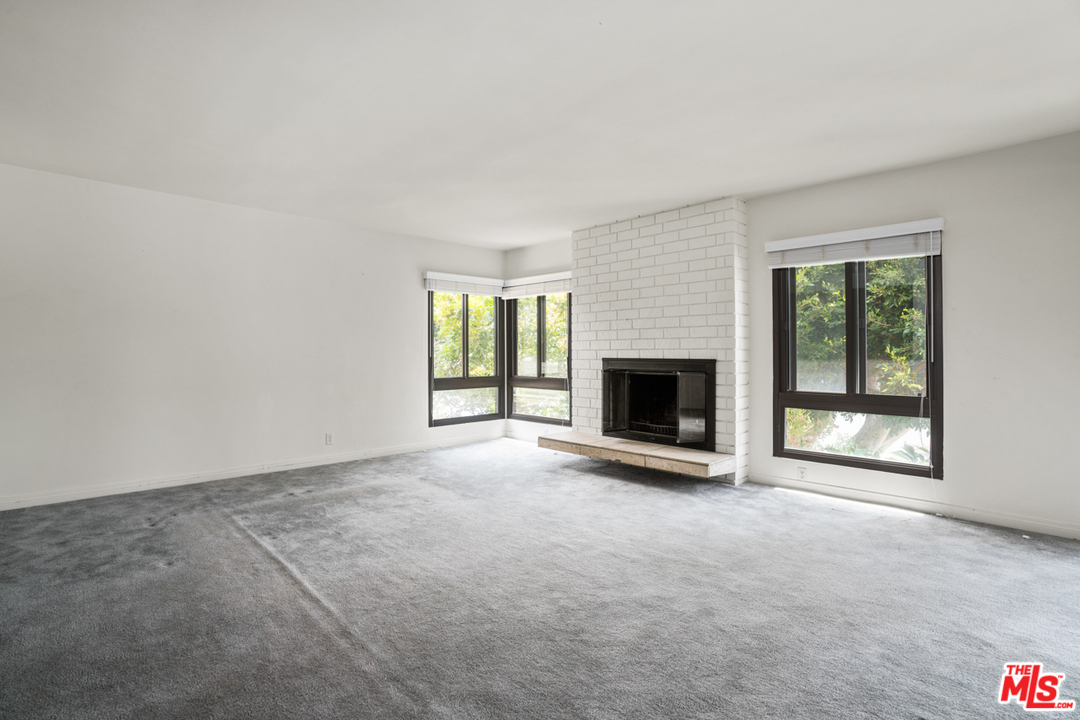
(344, 628)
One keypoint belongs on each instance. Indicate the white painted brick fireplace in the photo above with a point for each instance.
(670, 285)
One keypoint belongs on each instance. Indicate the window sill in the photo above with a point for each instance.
(539, 419)
(466, 419)
(857, 462)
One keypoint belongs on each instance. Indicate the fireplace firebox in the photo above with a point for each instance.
(672, 402)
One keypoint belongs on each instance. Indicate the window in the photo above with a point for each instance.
(540, 358)
(465, 358)
(857, 370)
(492, 358)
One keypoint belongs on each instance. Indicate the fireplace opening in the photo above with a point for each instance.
(653, 403)
(662, 401)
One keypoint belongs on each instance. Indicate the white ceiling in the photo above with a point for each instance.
(501, 123)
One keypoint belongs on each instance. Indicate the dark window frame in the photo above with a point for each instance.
(538, 381)
(855, 399)
(465, 382)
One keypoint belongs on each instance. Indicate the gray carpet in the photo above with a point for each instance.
(503, 581)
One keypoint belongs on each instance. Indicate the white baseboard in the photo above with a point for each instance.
(990, 517)
(523, 437)
(56, 496)
(528, 431)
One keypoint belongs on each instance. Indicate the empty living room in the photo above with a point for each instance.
(539, 360)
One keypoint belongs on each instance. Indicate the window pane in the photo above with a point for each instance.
(881, 437)
(545, 403)
(556, 322)
(481, 335)
(896, 326)
(464, 403)
(447, 333)
(820, 329)
(526, 336)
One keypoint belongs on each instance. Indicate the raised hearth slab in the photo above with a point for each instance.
(698, 463)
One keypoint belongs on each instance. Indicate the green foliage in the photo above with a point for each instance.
(446, 312)
(804, 428)
(820, 309)
(526, 336)
(481, 335)
(896, 326)
(898, 375)
(820, 328)
(556, 335)
(912, 454)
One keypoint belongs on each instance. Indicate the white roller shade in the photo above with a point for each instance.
(922, 237)
(551, 284)
(464, 284)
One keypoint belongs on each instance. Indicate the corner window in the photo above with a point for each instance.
(857, 368)
(540, 358)
(464, 357)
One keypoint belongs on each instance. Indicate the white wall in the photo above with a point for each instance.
(539, 259)
(1011, 283)
(148, 338)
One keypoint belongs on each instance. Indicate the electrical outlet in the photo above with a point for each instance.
(800, 473)
(329, 438)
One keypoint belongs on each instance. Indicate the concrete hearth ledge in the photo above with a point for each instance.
(698, 463)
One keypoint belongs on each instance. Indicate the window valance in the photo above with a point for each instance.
(922, 237)
(549, 284)
(464, 284)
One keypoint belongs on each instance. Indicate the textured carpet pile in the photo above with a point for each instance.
(499, 580)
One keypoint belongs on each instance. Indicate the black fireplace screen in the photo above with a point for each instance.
(662, 401)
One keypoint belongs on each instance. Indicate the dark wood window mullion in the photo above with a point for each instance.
(500, 352)
(934, 337)
(541, 332)
(569, 354)
(463, 383)
(431, 357)
(860, 341)
(783, 353)
(512, 338)
(790, 335)
(544, 383)
(907, 406)
(511, 353)
(496, 311)
(852, 316)
(464, 336)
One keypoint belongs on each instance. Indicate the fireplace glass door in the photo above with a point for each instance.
(662, 406)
